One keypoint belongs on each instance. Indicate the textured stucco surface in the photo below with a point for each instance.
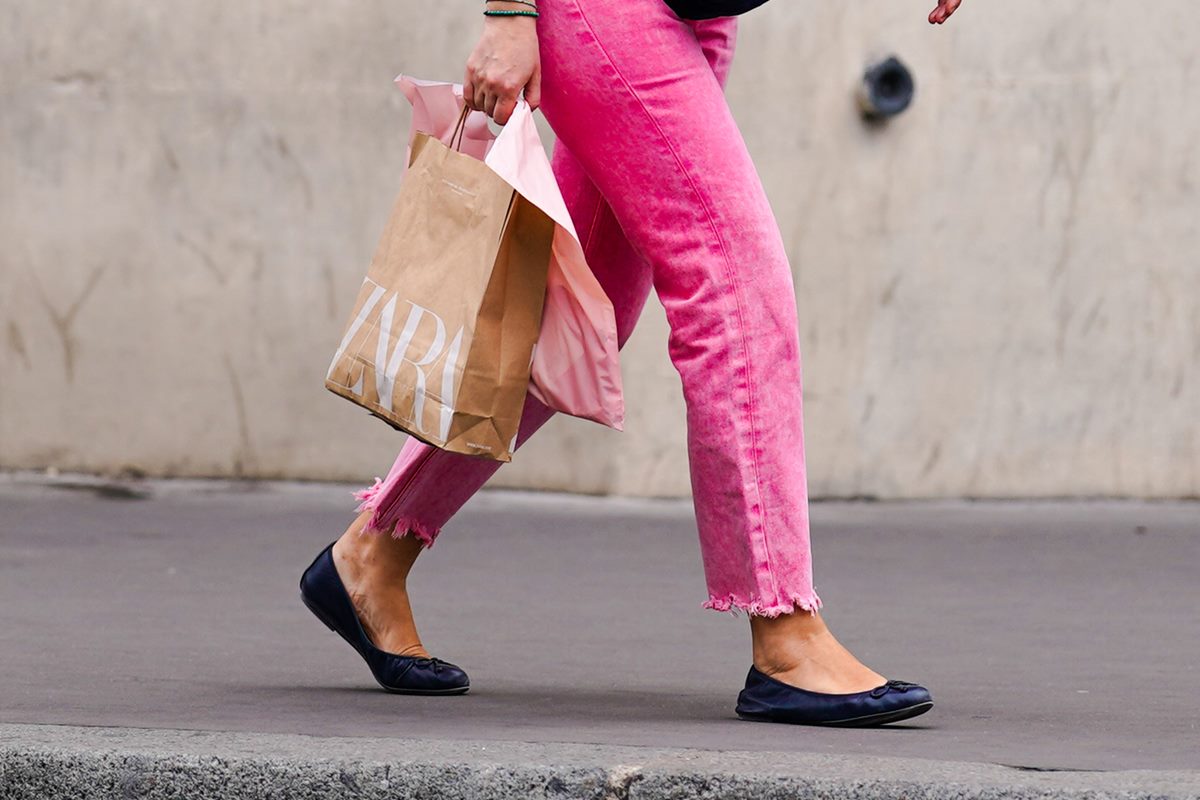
(999, 292)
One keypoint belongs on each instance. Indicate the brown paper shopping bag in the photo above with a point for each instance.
(442, 334)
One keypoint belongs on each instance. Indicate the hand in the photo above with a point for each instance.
(505, 61)
(943, 11)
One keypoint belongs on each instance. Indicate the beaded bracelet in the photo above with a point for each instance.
(491, 13)
(522, 2)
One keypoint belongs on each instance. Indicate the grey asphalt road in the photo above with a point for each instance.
(1054, 635)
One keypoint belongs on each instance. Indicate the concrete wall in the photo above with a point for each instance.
(999, 292)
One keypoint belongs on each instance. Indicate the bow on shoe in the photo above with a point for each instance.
(892, 686)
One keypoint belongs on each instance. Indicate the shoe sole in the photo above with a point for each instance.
(441, 692)
(866, 721)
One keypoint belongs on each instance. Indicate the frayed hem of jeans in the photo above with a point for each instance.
(369, 495)
(757, 608)
(397, 527)
(405, 526)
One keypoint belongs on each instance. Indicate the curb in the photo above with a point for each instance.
(47, 761)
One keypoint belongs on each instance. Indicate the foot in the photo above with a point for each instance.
(799, 650)
(374, 568)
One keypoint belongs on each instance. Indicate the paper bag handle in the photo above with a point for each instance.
(460, 128)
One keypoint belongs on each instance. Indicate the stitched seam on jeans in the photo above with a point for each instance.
(729, 274)
(591, 234)
(403, 490)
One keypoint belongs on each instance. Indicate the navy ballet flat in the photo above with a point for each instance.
(767, 700)
(323, 592)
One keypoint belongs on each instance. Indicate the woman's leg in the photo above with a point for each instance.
(630, 89)
(426, 486)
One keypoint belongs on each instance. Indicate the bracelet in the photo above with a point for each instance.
(522, 2)
(491, 13)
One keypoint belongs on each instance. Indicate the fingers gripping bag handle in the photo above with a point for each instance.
(576, 365)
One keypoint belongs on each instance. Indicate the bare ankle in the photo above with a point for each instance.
(776, 656)
(778, 639)
(348, 559)
(793, 642)
(375, 556)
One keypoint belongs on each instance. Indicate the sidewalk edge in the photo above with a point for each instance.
(49, 761)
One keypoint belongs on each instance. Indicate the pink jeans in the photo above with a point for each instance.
(663, 193)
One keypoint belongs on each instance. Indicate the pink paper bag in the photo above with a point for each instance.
(576, 369)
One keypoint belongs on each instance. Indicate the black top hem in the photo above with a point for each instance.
(709, 9)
